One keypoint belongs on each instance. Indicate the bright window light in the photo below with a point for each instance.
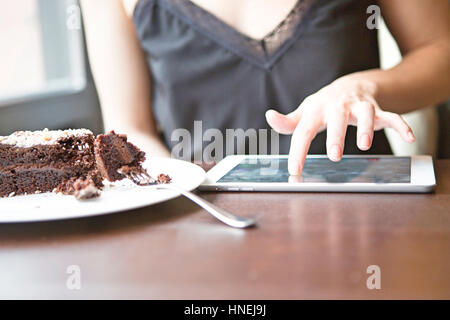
(41, 49)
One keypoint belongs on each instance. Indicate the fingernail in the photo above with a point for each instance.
(411, 136)
(335, 152)
(365, 141)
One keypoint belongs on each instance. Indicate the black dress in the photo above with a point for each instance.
(204, 70)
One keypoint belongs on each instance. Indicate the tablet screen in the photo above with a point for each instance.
(348, 170)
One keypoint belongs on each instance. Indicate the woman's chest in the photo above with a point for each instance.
(253, 18)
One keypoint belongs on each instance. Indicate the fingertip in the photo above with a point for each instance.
(271, 116)
(294, 168)
(293, 171)
(279, 122)
(363, 148)
(364, 142)
(411, 136)
(334, 153)
(270, 112)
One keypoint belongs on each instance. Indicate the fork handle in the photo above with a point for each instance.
(219, 213)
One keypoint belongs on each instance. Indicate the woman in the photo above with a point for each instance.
(167, 63)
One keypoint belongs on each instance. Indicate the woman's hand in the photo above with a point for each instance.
(349, 100)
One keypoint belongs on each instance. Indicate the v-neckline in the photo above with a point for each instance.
(234, 29)
(252, 49)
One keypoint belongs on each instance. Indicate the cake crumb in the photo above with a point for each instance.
(163, 179)
(85, 189)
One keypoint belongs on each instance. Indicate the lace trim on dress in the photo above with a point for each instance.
(260, 51)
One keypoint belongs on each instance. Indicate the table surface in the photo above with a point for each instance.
(307, 245)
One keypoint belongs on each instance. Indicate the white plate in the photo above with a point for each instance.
(122, 195)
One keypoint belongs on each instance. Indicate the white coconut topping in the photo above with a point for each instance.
(90, 191)
(26, 139)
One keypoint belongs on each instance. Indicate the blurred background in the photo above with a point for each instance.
(45, 80)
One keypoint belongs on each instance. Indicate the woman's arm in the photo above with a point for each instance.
(422, 30)
(121, 74)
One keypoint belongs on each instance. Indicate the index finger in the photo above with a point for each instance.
(303, 134)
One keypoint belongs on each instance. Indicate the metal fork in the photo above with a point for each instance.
(144, 179)
(141, 179)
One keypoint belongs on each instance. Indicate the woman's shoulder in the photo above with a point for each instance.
(129, 6)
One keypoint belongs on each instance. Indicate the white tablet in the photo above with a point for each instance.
(352, 174)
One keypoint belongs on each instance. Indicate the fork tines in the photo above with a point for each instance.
(141, 177)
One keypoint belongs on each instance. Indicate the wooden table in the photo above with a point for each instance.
(307, 245)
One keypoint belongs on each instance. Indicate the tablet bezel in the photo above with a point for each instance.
(422, 178)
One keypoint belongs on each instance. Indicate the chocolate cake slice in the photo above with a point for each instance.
(67, 161)
(39, 161)
(113, 152)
